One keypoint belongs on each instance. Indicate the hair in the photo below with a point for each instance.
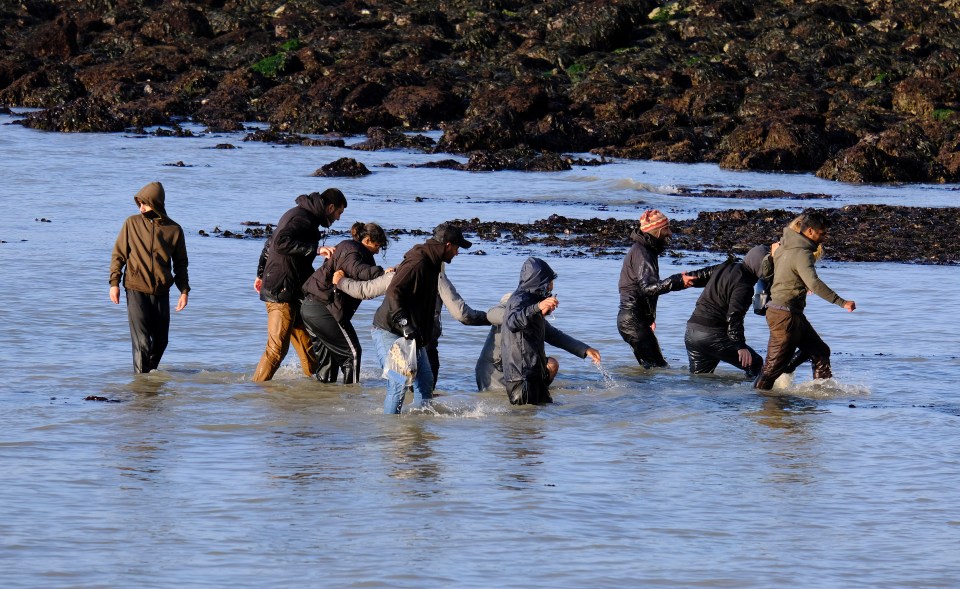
(377, 235)
(333, 196)
(815, 220)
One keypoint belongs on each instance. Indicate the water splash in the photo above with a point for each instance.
(606, 377)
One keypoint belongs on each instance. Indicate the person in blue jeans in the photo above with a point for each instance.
(409, 311)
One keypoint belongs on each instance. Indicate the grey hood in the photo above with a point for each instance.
(535, 276)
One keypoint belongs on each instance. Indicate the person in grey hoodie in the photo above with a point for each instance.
(489, 368)
(794, 275)
(715, 330)
(523, 333)
(150, 256)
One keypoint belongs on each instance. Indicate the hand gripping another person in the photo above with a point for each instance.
(794, 274)
(149, 256)
(285, 264)
(326, 310)
(640, 287)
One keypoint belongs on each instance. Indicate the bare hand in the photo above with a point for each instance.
(257, 284)
(746, 358)
(593, 355)
(850, 306)
(182, 301)
(391, 269)
(653, 326)
(337, 276)
(548, 305)
(325, 251)
(773, 247)
(115, 294)
(688, 280)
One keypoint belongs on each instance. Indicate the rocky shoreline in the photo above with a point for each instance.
(855, 91)
(859, 233)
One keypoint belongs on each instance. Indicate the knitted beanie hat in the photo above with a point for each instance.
(652, 220)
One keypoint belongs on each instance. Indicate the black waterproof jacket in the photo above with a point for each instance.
(524, 328)
(412, 294)
(357, 262)
(287, 258)
(726, 298)
(640, 285)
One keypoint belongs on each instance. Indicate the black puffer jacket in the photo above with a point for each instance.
(412, 294)
(524, 327)
(357, 262)
(640, 283)
(288, 257)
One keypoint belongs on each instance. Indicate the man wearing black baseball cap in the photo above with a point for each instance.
(450, 233)
(409, 310)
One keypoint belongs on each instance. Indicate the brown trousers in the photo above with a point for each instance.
(284, 326)
(790, 331)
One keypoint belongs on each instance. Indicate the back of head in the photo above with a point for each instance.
(333, 196)
(754, 258)
(374, 232)
(813, 220)
(653, 221)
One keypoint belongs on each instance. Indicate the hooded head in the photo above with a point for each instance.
(536, 276)
(754, 258)
(153, 196)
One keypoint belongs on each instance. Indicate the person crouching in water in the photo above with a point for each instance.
(793, 275)
(640, 287)
(326, 311)
(526, 373)
(149, 245)
(715, 329)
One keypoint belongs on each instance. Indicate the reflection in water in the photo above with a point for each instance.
(523, 450)
(410, 448)
(138, 443)
(795, 457)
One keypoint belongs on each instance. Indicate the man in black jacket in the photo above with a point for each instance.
(409, 310)
(640, 287)
(715, 330)
(286, 262)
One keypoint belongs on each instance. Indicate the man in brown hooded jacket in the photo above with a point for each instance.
(150, 256)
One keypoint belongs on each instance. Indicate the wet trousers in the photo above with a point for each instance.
(708, 346)
(149, 318)
(284, 326)
(789, 332)
(396, 389)
(531, 391)
(335, 344)
(641, 338)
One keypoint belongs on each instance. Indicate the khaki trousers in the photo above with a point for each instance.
(284, 326)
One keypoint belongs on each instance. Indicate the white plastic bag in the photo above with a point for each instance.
(401, 364)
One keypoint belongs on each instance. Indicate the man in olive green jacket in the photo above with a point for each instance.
(793, 276)
(150, 256)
